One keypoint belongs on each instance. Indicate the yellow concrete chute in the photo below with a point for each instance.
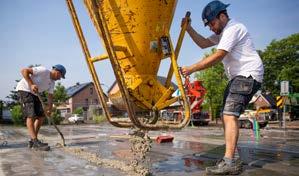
(136, 37)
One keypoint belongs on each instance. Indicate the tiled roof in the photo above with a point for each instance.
(71, 91)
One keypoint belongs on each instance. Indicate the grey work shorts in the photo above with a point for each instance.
(237, 95)
(31, 106)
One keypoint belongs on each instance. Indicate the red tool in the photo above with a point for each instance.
(164, 139)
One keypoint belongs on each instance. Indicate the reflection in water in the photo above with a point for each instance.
(258, 155)
(195, 146)
(190, 162)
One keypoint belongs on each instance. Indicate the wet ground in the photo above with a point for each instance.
(105, 150)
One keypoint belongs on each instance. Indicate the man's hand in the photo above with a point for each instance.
(34, 88)
(48, 112)
(188, 21)
(186, 70)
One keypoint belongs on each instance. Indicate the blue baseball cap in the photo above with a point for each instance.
(211, 10)
(61, 69)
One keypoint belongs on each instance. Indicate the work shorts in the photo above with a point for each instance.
(31, 106)
(237, 95)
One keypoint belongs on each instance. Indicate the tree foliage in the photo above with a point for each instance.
(214, 80)
(281, 62)
(13, 97)
(16, 113)
(78, 111)
(56, 117)
(60, 94)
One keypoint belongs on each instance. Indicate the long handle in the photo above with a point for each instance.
(178, 47)
(51, 121)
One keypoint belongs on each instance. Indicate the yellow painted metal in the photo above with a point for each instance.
(99, 58)
(115, 122)
(100, 24)
(134, 26)
(164, 98)
(165, 104)
(132, 33)
(178, 48)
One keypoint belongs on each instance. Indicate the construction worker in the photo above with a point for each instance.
(243, 67)
(37, 80)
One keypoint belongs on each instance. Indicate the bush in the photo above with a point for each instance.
(17, 116)
(78, 111)
(99, 118)
(56, 117)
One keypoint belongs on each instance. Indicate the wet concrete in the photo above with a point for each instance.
(275, 152)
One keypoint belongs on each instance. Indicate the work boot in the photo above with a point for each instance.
(30, 143)
(223, 168)
(38, 145)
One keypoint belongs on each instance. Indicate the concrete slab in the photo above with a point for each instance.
(193, 149)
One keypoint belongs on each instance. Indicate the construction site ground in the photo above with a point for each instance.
(274, 152)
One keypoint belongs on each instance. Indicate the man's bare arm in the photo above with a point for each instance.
(201, 41)
(50, 101)
(205, 63)
(48, 110)
(26, 72)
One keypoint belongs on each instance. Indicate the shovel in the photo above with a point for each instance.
(51, 121)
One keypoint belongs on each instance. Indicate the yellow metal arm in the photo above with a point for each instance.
(178, 48)
(118, 123)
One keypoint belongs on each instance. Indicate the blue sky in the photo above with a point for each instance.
(41, 32)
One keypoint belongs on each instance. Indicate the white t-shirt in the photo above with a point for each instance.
(242, 58)
(41, 78)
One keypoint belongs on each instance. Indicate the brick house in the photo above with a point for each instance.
(81, 96)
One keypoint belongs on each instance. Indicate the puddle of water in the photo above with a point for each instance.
(12, 145)
(187, 164)
(178, 161)
(261, 155)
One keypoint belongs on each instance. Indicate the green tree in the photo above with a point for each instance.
(16, 113)
(214, 80)
(78, 111)
(13, 97)
(56, 117)
(60, 94)
(281, 62)
(59, 97)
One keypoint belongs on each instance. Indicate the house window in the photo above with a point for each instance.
(96, 101)
(91, 90)
(86, 101)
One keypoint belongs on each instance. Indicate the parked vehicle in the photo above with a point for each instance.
(200, 118)
(166, 116)
(178, 116)
(6, 117)
(76, 119)
(247, 118)
(174, 116)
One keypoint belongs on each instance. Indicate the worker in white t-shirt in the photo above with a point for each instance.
(243, 67)
(37, 80)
